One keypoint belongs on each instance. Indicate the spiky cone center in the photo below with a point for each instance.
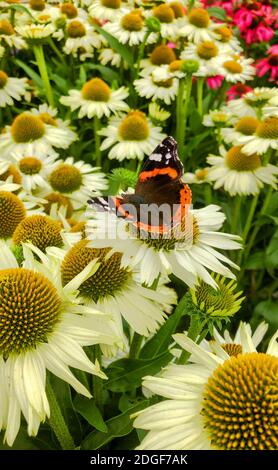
(273, 60)
(29, 309)
(221, 302)
(69, 10)
(96, 90)
(6, 28)
(48, 119)
(37, 5)
(187, 233)
(109, 278)
(30, 165)
(232, 66)
(115, 4)
(76, 29)
(39, 230)
(199, 17)
(132, 22)
(164, 13)
(60, 201)
(79, 227)
(163, 83)
(12, 171)
(239, 161)
(240, 403)
(178, 9)
(66, 178)
(176, 65)
(247, 125)
(162, 55)
(27, 128)
(207, 50)
(134, 127)
(3, 79)
(12, 212)
(268, 129)
(224, 32)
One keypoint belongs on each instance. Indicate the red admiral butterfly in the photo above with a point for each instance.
(159, 184)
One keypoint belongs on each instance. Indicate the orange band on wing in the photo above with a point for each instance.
(171, 172)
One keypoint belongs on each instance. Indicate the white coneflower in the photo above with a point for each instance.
(30, 134)
(264, 137)
(77, 180)
(8, 35)
(158, 114)
(223, 34)
(96, 99)
(130, 136)
(106, 9)
(216, 118)
(198, 26)
(117, 290)
(161, 55)
(130, 29)
(225, 400)
(169, 25)
(12, 88)
(49, 116)
(254, 102)
(244, 126)
(81, 37)
(239, 173)
(199, 176)
(35, 32)
(188, 251)
(157, 88)
(208, 55)
(237, 69)
(50, 338)
(108, 56)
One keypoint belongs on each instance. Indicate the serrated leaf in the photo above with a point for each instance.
(116, 45)
(161, 340)
(118, 426)
(87, 408)
(126, 374)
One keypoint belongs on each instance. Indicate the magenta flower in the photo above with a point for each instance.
(215, 82)
(269, 65)
(237, 91)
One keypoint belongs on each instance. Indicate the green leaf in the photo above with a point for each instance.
(116, 45)
(118, 426)
(161, 340)
(30, 72)
(109, 75)
(272, 207)
(22, 9)
(126, 374)
(256, 261)
(87, 408)
(271, 258)
(217, 12)
(268, 309)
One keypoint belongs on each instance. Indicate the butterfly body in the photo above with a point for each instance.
(161, 198)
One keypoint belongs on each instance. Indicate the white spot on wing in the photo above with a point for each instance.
(156, 156)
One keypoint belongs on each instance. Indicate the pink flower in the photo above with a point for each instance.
(171, 45)
(269, 65)
(226, 5)
(256, 22)
(215, 82)
(236, 91)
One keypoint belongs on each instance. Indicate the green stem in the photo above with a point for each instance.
(97, 141)
(194, 330)
(135, 346)
(56, 50)
(56, 420)
(207, 193)
(236, 214)
(190, 5)
(39, 54)
(185, 87)
(257, 226)
(248, 224)
(200, 89)
(141, 54)
(97, 381)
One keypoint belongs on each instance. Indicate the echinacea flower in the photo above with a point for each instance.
(245, 126)
(239, 172)
(157, 87)
(237, 91)
(12, 88)
(130, 29)
(130, 136)
(48, 115)
(199, 176)
(254, 102)
(50, 338)
(116, 290)
(9, 36)
(237, 69)
(269, 65)
(208, 55)
(170, 26)
(76, 180)
(30, 134)
(197, 415)
(81, 37)
(96, 99)
(265, 137)
(198, 26)
(161, 55)
(106, 9)
(188, 251)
